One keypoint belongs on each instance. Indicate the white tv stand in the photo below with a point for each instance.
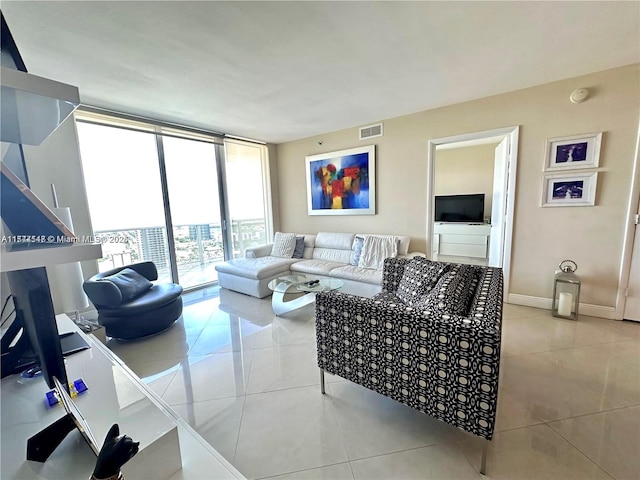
(461, 239)
(169, 449)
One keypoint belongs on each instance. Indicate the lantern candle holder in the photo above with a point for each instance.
(566, 291)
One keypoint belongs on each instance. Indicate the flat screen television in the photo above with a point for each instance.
(36, 316)
(460, 208)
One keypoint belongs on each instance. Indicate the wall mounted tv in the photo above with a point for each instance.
(460, 208)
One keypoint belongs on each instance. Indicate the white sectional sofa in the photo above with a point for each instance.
(325, 255)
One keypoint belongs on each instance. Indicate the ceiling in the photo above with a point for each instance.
(279, 71)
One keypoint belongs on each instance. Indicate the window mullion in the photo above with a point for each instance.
(173, 262)
(224, 203)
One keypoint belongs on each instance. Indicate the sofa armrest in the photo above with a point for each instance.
(259, 251)
(445, 367)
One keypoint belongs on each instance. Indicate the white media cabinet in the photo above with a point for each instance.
(461, 240)
(169, 448)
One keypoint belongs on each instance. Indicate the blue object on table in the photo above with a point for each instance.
(80, 386)
(76, 388)
(52, 398)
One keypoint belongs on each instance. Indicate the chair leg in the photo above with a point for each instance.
(322, 381)
(483, 462)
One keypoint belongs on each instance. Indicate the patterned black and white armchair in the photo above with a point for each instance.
(430, 340)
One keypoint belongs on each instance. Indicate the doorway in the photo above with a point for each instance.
(487, 242)
(628, 301)
(632, 300)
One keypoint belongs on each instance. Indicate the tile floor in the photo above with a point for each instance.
(569, 404)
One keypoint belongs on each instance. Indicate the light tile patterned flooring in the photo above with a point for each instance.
(569, 402)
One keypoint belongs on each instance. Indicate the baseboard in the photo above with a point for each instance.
(545, 303)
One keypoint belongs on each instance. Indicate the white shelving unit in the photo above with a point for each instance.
(47, 256)
(461, 240)
(169, 448)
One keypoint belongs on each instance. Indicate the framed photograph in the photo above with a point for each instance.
(342, 183)
(569, 190)
(569, 153)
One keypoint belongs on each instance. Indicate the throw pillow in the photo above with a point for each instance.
(298, 252)
(473, 286)
(419, 278)
(284, 244)
(357, 250)
(451, 294)
(130, 283)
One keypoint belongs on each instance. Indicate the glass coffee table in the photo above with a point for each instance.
(308, 284)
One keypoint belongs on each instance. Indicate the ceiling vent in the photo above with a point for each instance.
(371, 131)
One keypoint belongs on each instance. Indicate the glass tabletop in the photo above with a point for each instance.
(303, 283)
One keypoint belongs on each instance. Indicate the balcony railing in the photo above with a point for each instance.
(199, 247)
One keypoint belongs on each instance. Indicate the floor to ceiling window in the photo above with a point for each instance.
(192, 182)
(125, 195)
(247, 196)
(185, 202)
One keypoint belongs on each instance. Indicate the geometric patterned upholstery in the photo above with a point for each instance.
(443, 364)
(451, 293)
(420, 276)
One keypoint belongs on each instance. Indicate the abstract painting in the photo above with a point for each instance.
(342, 183)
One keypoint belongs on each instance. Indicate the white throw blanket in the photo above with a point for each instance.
(375, 249)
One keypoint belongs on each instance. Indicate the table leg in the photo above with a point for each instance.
(280, 306)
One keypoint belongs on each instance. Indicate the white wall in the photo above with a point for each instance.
(542, 237)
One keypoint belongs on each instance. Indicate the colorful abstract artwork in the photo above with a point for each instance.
(342, 183)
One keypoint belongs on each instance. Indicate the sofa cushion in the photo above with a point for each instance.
(256, 268)
(470, 280)
(284, 244)
(309, 245)
(130, 283)
(334, 247)
(316, 267)
(420, 276)
(299, 250)
(364, 275)
(450, 296)
(358, 242)
(339, 241)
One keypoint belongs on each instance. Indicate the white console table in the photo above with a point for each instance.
(169, 448)
(461, 239)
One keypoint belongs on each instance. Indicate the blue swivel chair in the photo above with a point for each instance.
(131, 304)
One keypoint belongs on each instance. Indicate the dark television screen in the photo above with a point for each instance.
(460, 208)
(34, 309)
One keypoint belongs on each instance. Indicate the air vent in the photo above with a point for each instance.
(371, 131)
